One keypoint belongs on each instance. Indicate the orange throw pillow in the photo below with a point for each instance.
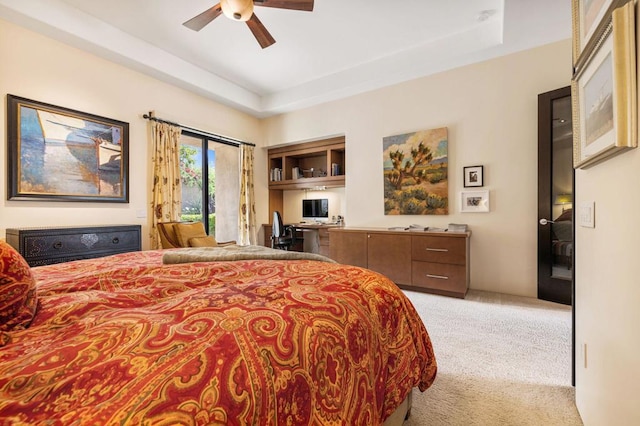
(18, 298)
(208, 241)
(186, 231)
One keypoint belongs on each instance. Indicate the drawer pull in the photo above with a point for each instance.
(440, 277)
(57, 245)
(115, 240)
(435, 249)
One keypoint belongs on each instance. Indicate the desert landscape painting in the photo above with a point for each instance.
(416, 173)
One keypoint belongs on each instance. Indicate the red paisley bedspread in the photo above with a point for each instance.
(127, 340)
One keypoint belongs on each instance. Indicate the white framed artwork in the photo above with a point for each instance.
(474, 201)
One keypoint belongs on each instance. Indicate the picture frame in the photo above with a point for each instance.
(473, 176)
(604, 94)
(60, 154)
(588, 16)
(474, 201)
(415, 170)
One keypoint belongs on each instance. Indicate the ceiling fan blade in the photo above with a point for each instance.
(199, 22)
(260, 32)
(306, 5)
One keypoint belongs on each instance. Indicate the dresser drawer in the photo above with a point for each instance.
(439, 276)
(439, 249)
(323, 236)
(66, 244)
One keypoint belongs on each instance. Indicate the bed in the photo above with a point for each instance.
(562, 239)
(165, 337)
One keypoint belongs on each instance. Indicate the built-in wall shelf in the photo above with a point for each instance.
(309, 165)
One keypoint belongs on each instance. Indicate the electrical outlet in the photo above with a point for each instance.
(141, 213)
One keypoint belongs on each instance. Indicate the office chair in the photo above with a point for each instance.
(282, 237)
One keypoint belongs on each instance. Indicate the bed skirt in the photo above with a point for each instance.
(401, 414)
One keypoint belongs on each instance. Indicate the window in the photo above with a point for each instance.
(210, 194)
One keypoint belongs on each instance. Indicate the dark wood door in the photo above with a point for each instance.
(555, 197)
(556, 219)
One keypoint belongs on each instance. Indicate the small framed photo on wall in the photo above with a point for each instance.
(473, 176)
(474, 201)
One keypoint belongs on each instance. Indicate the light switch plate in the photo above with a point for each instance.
(586, 214)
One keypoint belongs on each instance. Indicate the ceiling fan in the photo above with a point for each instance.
(242, 10)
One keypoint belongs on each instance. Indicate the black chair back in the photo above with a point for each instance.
(282, 237)
(277, 227)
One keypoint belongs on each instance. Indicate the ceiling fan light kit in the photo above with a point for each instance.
(238, 10)
(242, 10)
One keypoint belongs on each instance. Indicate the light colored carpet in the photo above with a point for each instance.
(502, 360)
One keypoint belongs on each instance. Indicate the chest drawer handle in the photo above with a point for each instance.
(57, 245)
(435, 249)
(115, 240)
(440, 277)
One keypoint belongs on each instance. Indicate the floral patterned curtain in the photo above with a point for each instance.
(166, 196)
(247, 234)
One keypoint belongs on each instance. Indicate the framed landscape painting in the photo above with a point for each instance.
(604, 95)
(416, 173)
(587, 16)
(57, 153)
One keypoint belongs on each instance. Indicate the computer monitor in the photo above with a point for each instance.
(315, 209)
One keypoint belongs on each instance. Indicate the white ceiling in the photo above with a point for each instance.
(342, 48)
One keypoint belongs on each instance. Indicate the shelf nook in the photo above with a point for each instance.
(306, 165)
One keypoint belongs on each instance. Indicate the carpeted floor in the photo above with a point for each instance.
(502, 360)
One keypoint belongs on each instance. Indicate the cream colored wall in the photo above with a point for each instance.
(608, 292)
(41, 69)
(490, 109)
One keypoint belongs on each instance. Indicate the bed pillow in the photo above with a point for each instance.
(207, 241)
(563, 231)
(187, 231)
(18, 298)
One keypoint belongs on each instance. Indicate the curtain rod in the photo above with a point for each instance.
(222, 139)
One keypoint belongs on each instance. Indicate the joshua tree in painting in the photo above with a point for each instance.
(421, 155)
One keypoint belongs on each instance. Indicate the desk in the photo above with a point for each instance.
(310, 237)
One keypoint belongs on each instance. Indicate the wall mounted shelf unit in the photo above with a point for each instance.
(308, 165)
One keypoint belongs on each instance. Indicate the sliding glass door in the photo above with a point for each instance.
(210, 184)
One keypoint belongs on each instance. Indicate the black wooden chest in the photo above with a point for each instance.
(44, 246)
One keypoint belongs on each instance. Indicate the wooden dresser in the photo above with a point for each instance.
(434, 262)
(44, 246)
